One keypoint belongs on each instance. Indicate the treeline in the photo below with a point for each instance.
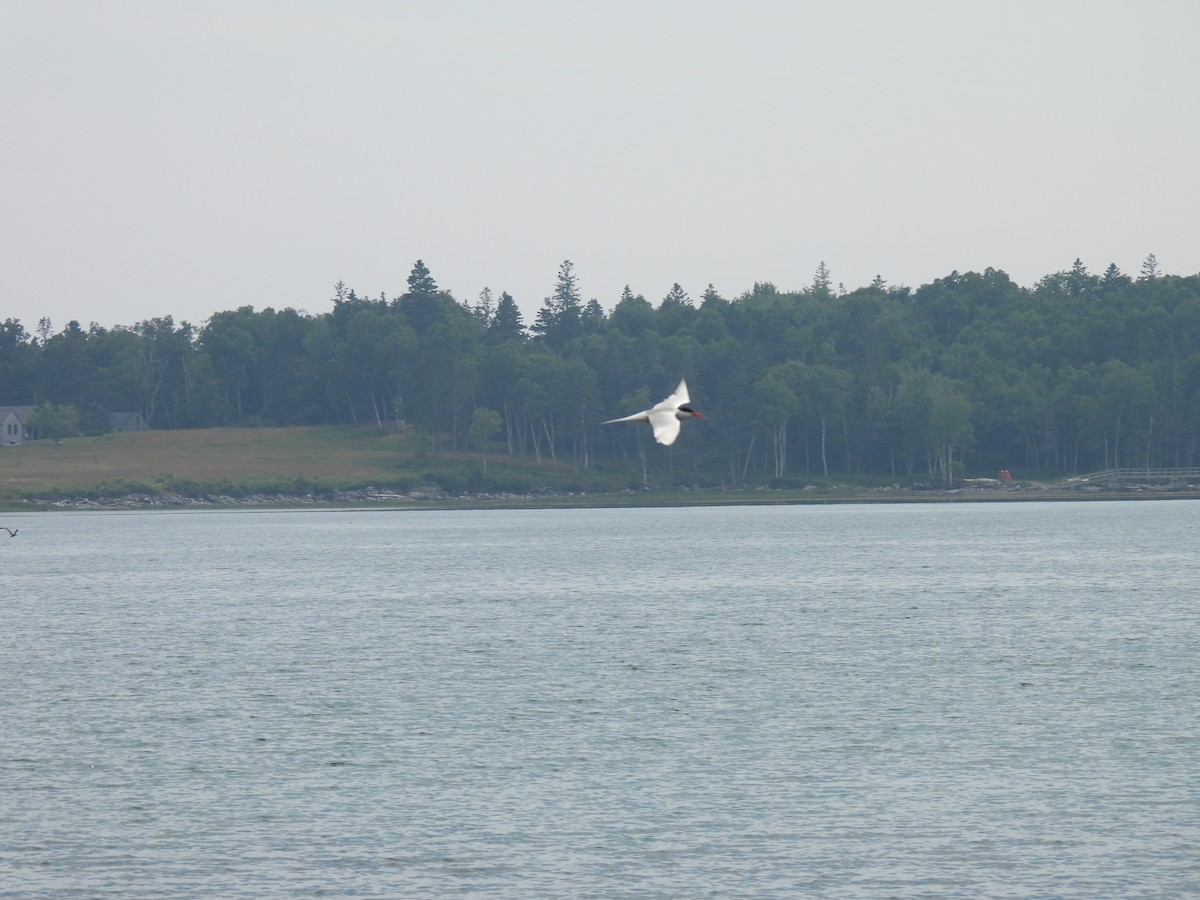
(968, 374)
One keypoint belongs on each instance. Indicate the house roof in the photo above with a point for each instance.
(21, 412)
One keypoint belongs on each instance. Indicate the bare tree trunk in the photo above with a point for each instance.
(375, 409)
(824, 458)
(749, 451)
(779, 448)
(547, 424)
(537, 447)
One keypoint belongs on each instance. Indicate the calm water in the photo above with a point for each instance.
(968, 700)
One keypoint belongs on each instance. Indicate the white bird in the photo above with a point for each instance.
(665, 417)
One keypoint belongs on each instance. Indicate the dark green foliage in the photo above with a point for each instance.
(506, 323)
(55, 422)
(560, 318)
(18, 364)
(970, 373)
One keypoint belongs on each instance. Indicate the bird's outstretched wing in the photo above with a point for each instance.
(665, 425)
(679, 398)
(636, 417)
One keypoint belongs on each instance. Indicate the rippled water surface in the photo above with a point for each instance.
(960, 700)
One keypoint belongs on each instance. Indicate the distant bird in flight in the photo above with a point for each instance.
(12, 532)
(665, 417)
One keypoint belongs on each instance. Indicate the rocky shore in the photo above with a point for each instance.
(433, 498)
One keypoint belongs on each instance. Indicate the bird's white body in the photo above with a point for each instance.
(664, 417)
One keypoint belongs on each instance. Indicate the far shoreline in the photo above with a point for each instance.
(392, 501)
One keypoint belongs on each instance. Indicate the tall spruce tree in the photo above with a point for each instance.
(506, 323)
(420, 304)
(822, 283)
(558, 321)
(420, 281)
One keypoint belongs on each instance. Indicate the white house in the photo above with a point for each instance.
(14, 428)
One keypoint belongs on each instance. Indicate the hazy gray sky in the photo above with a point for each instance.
(165, 158)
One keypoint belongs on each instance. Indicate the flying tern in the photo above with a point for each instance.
(665, 417)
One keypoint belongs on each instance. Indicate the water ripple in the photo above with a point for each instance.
(976, 700)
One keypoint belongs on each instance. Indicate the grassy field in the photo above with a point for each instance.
(217, 454)
(321, 464)
(241, 460)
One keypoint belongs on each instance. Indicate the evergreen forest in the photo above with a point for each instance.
(966, 375)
